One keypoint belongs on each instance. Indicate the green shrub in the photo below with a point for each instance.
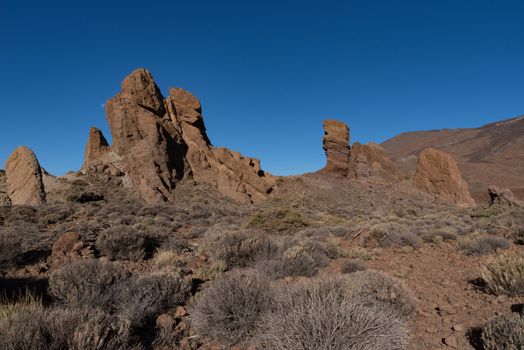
(504, 332)
(504, 274)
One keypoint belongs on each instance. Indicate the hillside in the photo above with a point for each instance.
(491, 154)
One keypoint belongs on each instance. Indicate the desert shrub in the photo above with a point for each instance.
(10, 247)
(504, 274)
(52, 214)
(145, 297)
(483, 245)
(59, 328)
(486, 212)
(122, 242)
(277, 220)
(239, 248)
(302, 265)
(87, 283)
(504, 332)
(352, 265)
(375, 288)
(319, 315)
(230, 308)
(442, 234)
(22, 213)
(339, 231)
(387, 235)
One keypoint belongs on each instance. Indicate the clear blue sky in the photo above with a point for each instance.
(267, 72)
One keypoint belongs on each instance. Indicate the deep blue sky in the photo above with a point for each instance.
(267, 72)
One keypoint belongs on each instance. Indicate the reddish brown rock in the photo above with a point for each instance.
(503, 197)
(235, 176)
(336, 146)
(96, 147)
(438, 174)
(158, 142)
(24, 178)
(371, 160)
(145, 138)
(66, 244)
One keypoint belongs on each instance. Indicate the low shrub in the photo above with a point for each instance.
(302, 265)
(229, 309)
(319, 315)
(504, 332)
(122, 242)
(277, 220)
(504, 274)
(376, 288)
(87, 283)
(387, 235)
(239, 248)
(352, 265)
(483, 245)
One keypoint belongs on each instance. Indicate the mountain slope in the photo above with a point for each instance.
(491, 154)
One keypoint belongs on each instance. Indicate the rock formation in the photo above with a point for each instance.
(371, 159)
(336, 146)
(503, 197)
(4, 199)
(158, 142)
(24, 178)
(438, 174)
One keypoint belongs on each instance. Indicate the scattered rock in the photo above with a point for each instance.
(24, 178)
(457, 328)
(451, 341)
(503, 197)
(66, 244)
(165, 321)
(438, 174)
(180, 312)
(336, 146)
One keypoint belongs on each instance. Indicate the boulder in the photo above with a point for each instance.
(24, 178)
(336, 145)
(437, 173)
(503, 197)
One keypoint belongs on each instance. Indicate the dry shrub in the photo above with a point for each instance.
(392, 234)
(239, 248)
(10, 247)
(482, 245)
(439, 235)
(352, 265)
(302, 265)
(504, 332)
(504, 274)
(376, 288)
(87, 283)
(230, 308)
(277, 220)
(122, 242)
(319, 315)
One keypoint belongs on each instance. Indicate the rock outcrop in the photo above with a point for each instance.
(158, 142)
(503, 197)
(24, 178)
(371, 160)
(438, 174)
(336, 145)
(4, 199)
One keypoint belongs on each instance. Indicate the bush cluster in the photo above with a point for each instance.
(504, 274)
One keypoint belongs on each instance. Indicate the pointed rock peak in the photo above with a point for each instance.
(438, 174)
(24, 178)
(140, 87)
(96, 146)
(336, 146)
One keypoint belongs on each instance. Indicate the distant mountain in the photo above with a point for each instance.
(491, 154)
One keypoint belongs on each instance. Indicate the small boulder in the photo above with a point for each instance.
(503, 197)
(66, 244)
